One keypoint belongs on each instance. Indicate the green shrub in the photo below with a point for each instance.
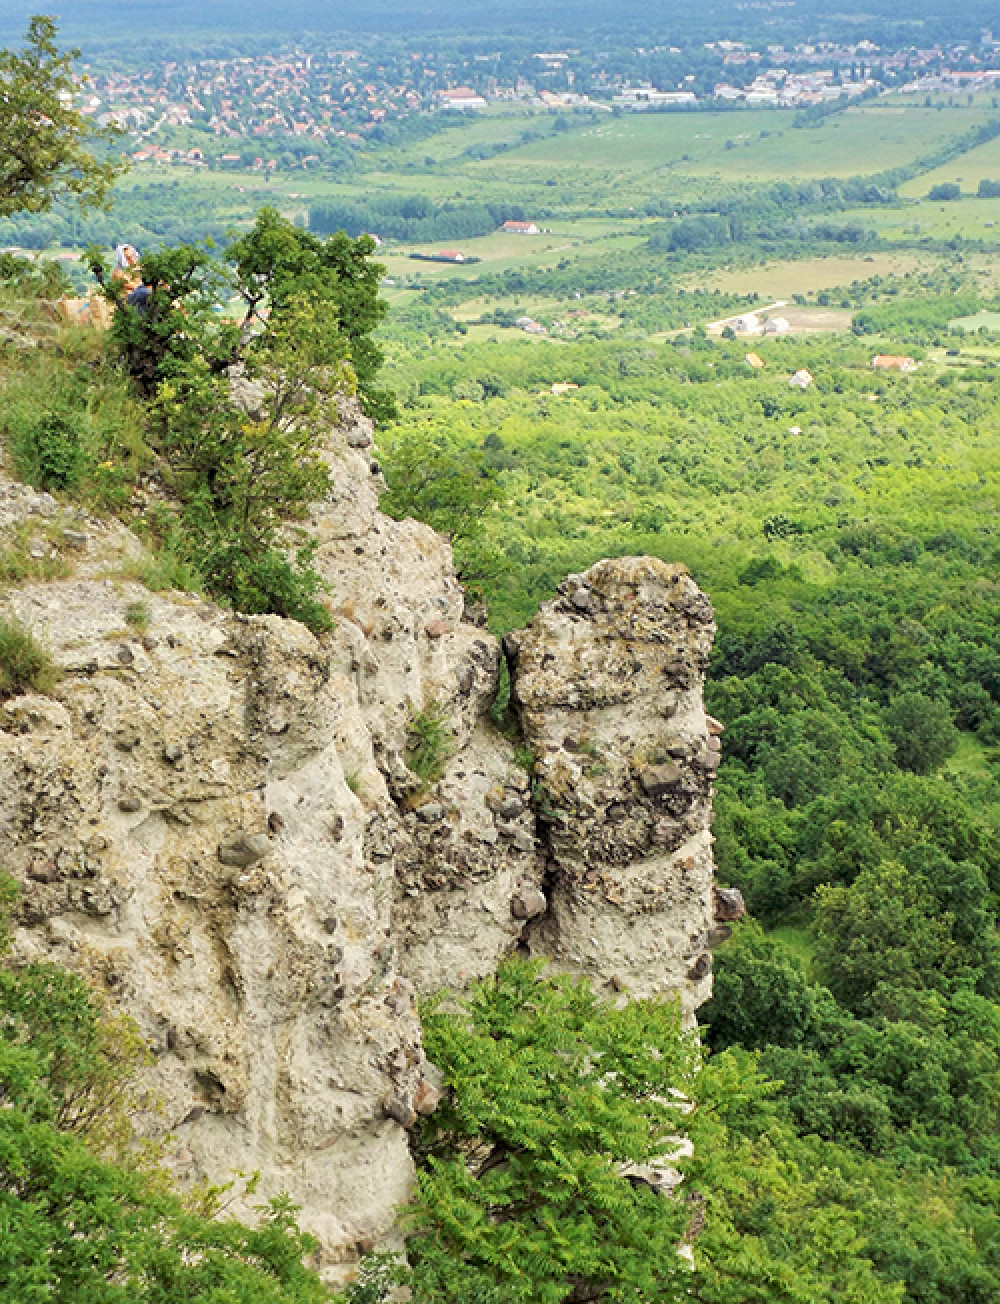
(922, 731)
(25, 666)
(48, 449)
(521, 1196)
(43, 278)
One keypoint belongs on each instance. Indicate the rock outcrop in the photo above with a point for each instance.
(608, 682)
(214, 819)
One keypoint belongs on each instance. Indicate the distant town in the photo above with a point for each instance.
(301, 109)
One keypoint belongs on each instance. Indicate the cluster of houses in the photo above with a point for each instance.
(465, 97)
(803, 378)
(316, 95)
(322, 95)
(166, 157)
(779, 88)
(948, 81)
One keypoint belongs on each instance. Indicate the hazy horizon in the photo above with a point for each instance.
(111, 20)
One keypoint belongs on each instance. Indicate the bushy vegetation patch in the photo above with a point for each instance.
(72, 426)
(429, 742)
(101, 421)
(239, 473)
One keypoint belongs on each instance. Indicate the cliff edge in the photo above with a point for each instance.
(217, 820)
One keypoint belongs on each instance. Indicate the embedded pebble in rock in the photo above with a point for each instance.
(729, 905)
(528, 904)
(243, 849)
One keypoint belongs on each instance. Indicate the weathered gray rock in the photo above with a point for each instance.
(427, 1097)
(658, 780)
(430, 812)
(609, 693)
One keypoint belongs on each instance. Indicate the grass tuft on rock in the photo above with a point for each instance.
(25, 666)
(428, 743)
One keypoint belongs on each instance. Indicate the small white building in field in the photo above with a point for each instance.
(461, 97)
(748, 324)
(777, 326)
(802, 379)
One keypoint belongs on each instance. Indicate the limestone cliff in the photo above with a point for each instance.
(214, 820)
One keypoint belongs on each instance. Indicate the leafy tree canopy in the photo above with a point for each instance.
(44, 141)
(243, 470)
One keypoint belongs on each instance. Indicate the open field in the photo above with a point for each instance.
(781, 280)
(500, 124)
(924, 219)
(979, 321)
(982, 163)
(752, 144)
(637, 143)
(863, 139)
(500, 252)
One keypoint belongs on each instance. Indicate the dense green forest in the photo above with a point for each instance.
(848, 538)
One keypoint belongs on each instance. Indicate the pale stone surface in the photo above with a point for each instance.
(214, 821)
(608, 681)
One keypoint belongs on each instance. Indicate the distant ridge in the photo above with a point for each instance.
(128, 20)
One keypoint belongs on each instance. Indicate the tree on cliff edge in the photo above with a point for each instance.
(44, 140)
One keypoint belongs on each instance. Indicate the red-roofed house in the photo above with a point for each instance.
(893, 362)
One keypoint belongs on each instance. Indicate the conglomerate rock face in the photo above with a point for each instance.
(213, 819)
(608, 682)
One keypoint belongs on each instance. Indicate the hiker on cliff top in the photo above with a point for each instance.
(128, 271)
(127, 263)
